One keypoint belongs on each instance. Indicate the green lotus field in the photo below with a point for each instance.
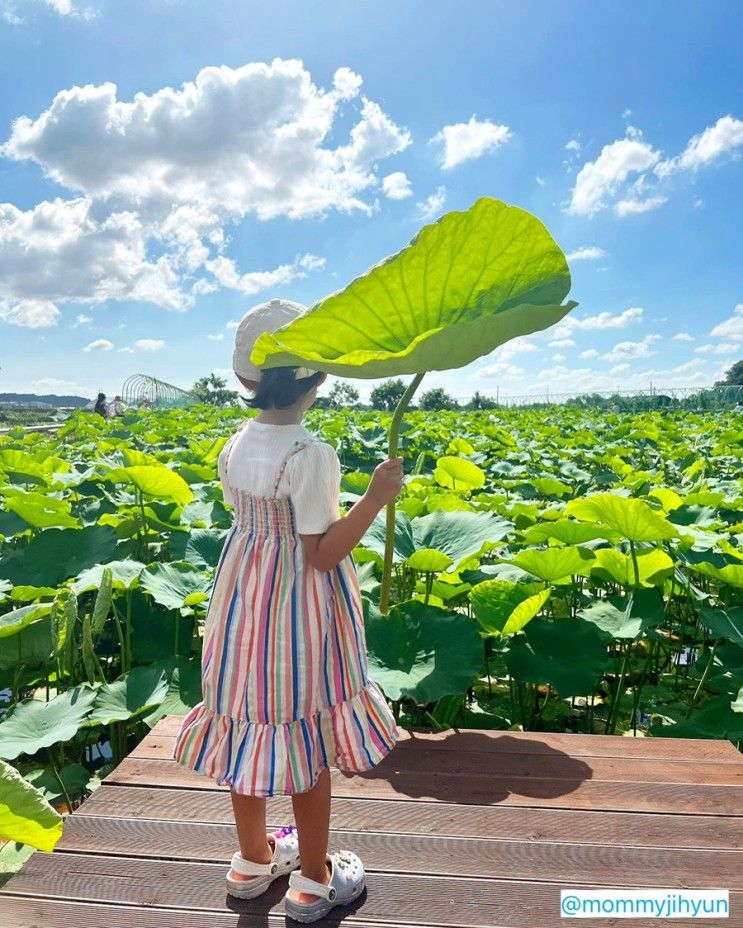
(568, 570)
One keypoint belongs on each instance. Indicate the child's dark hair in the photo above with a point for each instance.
(278, 388)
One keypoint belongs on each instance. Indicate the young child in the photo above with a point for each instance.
(284, 671)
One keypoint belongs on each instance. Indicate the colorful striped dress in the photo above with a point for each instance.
(286, 690)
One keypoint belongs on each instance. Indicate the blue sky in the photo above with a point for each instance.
(165, 165)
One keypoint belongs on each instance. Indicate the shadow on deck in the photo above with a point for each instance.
(463, 828)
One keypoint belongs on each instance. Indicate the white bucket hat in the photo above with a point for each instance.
(263, 317)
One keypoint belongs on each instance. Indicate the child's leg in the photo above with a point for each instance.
(250, 819)
(312, 818)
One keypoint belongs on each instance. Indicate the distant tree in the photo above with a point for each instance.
(733, 376)
(342, 395)
(437, 398)
(387, 395)
(213, 390)
(479, 401)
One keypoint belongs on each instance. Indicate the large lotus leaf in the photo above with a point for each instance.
(722, 623)
(503, 607)
(626, 618)
(124, 576)
(464, 284)
(567, 531)
(34, 724)
(652, 567)
(30, 646)
(175, 585)
(56, 554)
(40, 511)
(632, 518)
(569, 654)
(428, 559)
(156, 480)
(12, 622)
(556, 563)
(130, 696)
(25, 816)
(458, 474)
(75, 779)
(200, 547)
(421, 651)
(730, 573)
(458, 534)
(715, 719)
(184, 690)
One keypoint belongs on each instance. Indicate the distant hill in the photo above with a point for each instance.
(50, 398)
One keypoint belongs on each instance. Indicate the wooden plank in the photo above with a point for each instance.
(427, 855)
(537, 742)
(28, 912)
(412, 756)
(409, 899)
(445, 819)
(434, 786)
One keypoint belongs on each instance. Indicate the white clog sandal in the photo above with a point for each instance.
(347, 880)
(285, 859)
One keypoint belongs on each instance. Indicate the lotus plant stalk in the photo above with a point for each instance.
(389, 543)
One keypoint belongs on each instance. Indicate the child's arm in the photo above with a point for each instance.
(324, 551)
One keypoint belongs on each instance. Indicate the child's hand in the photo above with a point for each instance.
(386, 481)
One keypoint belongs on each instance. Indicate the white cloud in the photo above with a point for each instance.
(683, 337)
(573, 145)
(219, 337)
(497, 369)
(597, 181)
(264, 124)
(632, 207)
(631, 350)
(731, 328)
(703, 349)
(58, 251)
(396, 186)
(464, 141)
(29, 313)
(100, 344)
(559, 357)
(540, 180)
(432, 204)
(707, 147)
(149, 344)
(227, 275)
(81, 319)
(589, 353)
(562, 343)
(147, 183)
(603, 320)
(586, 253)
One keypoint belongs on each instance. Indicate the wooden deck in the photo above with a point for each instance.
(464, 828)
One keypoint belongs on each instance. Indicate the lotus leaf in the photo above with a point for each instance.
(569, 654)
(458, 474)
(465, 284)
(554, 564)
(25, 816)
(626, 617)
(34, 724)
(421, 651)
(633, 519)
(503, 607)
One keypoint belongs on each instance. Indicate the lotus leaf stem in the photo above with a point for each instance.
(389, 544)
